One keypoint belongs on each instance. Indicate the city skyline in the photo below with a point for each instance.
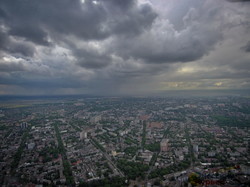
(115, 47)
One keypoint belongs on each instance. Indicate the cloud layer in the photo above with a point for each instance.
(123, 47)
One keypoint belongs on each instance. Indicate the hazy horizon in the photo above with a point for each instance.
(166, 94)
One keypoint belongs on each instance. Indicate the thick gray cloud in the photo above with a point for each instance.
(16, 47)
(49, 23)
(10, 67)
(157, 47)
(163, 44)
(246, 47)
(238, 0)
(92, 59)
(122, 46)
(34, 20)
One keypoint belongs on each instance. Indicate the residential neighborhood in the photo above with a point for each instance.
(133, 141)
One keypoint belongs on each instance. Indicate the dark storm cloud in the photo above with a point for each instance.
(197, 34)
(120, 45)
(15, 47)
(33, 34)
(123, 5)
(49, 23)
(34, 20)
(238, 0)
(133, 21)
(92, 59)
(246, 48)
(165, 47)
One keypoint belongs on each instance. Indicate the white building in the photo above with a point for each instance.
(83, 135)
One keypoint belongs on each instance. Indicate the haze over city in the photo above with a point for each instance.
(119, 47)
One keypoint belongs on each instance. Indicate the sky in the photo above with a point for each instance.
(114, 47)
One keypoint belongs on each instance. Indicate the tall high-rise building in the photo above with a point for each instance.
(23, 125)
(196, 148)
(164, 145)
(248, 146)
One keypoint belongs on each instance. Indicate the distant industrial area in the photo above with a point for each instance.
(134, 141)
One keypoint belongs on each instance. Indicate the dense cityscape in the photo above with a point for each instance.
(135, 141)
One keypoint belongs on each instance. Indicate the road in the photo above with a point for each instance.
(115, 169)
(152, 164)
